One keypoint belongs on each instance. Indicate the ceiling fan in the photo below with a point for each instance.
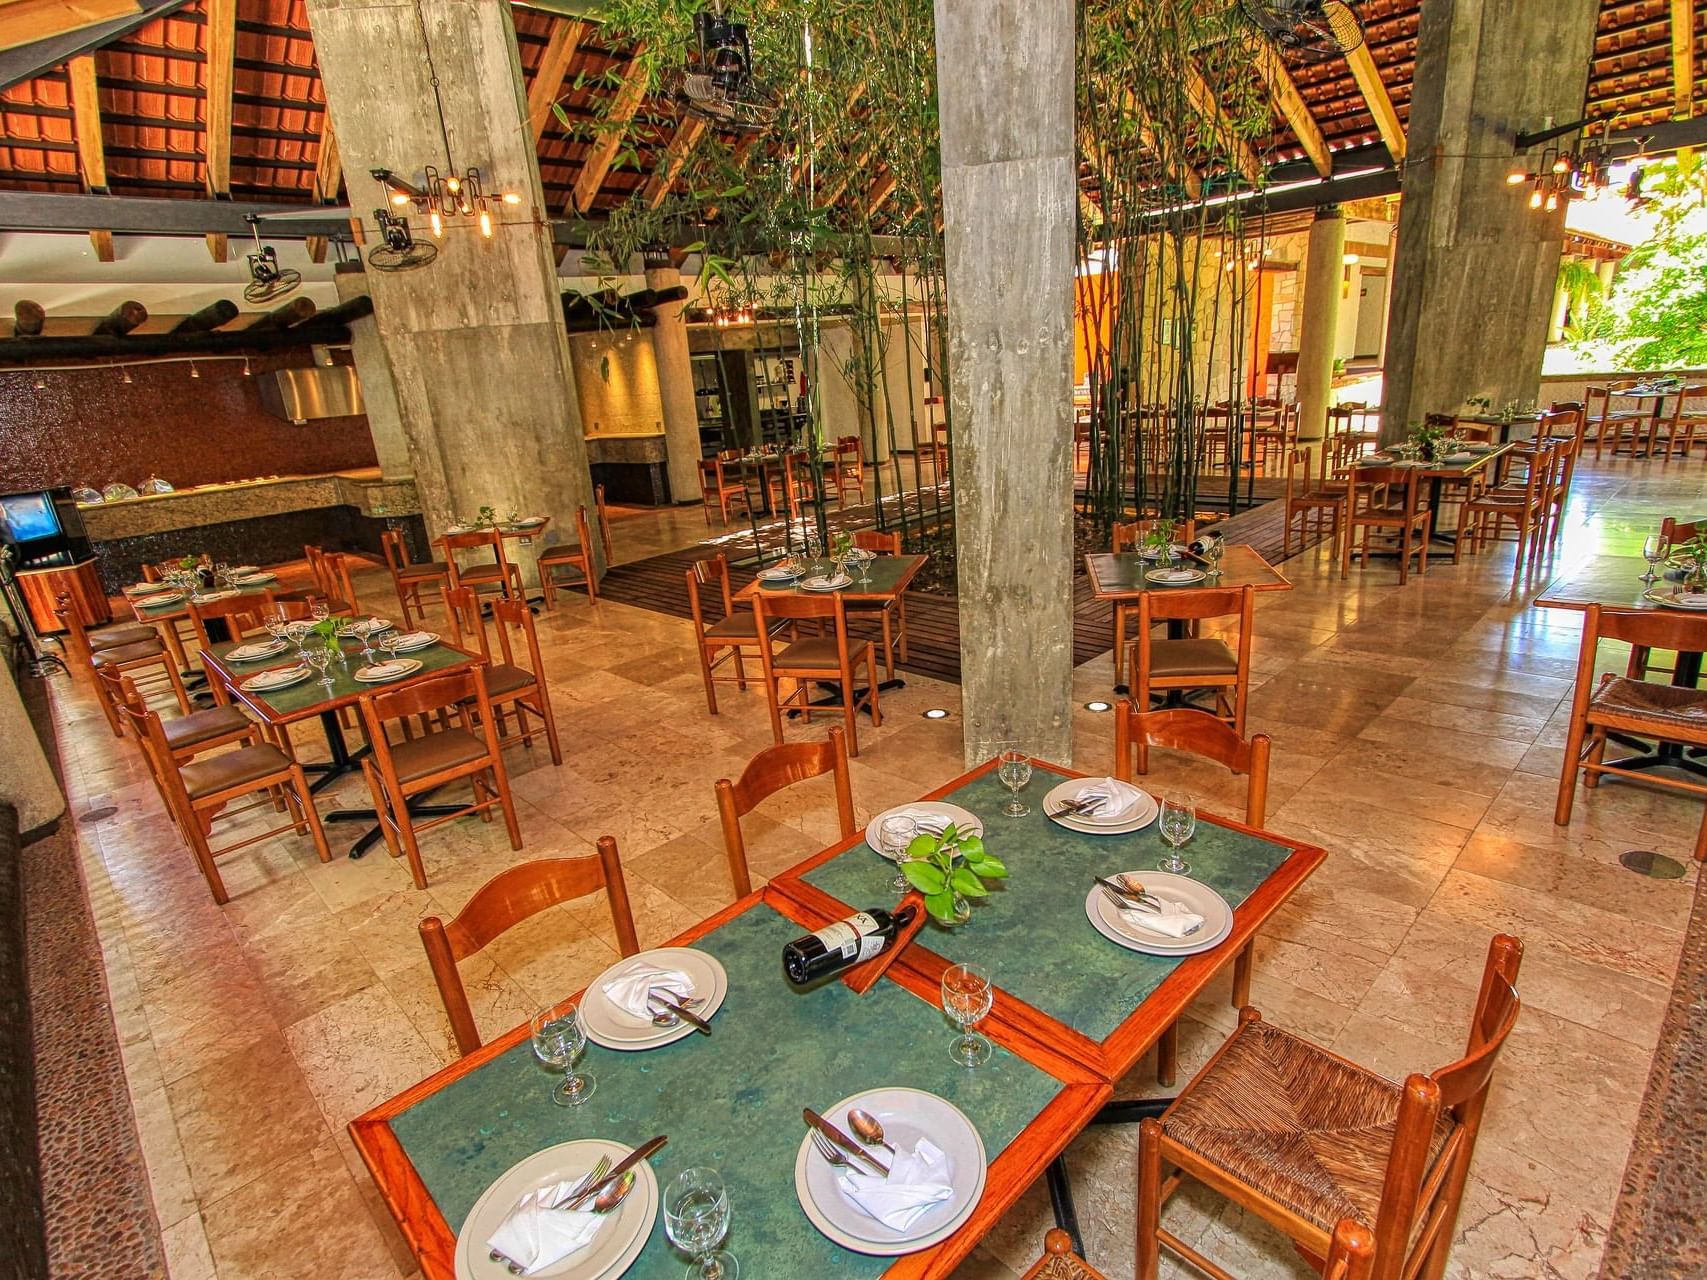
(1311, 30)
(267, 280)
(718, 83)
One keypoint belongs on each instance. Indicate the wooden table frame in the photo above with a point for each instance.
(1437, 476)
(1016, 1168)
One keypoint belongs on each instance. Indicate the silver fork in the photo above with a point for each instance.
(828, 1150)
(597, 1172)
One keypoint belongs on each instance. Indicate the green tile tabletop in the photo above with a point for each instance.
(889, 576)
(1123, 574)
(294, 702)
(180, 608)
(731, 1101)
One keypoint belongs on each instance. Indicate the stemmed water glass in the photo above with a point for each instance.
(696, 1218)
(320, 657)
(1654, 551)
(559, 1040)
(966, 997)
(1214, 549)
(813, 547)
(895, 834)
(865, 569)
(1177, 824)
(1014, 769)
(319, 610)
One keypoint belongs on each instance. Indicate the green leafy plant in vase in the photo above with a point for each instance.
(1161, 535)
(950, 870)
(1695, 553)
(1431, 441)
(488, 517)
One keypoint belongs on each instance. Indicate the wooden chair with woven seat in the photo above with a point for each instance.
(1166, 665)
(1351, 1253)
(793, 484)
(1609, 426)
(728, 638)
(398, 772)
(410, 579)
(1673, 534)
(891, 613)
(1304, 1138)
(124, 657)
(496, 572)
(848, 468)
(1668, 713)
(576, 555)
(198, 790)
(331, 573)
(1686, 421)
(515, 672)
(768, 773)
(831, 659)
(1562, 423)
(1127, 536)
(1310, 507)
(602, 511)
(720, 489)
(1373, 506)
(508, 898)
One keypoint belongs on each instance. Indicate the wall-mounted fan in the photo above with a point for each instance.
(400, 250)
(267, 280)
(718, 82)
(1313, 30)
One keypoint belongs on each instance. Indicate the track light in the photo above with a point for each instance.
(435, 223)
(194, 372)
(486, 223)
(246, 369)
(510, 197)
(124, 376)
(41, 383)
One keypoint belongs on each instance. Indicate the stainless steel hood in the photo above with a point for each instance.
(318, 391)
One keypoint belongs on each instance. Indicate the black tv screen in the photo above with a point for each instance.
(28, 517)
(43, 528)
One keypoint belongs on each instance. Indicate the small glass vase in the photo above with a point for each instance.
(962, 910)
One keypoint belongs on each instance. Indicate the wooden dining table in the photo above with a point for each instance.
(164, 618)
(1441, 473)
(1072, 1013)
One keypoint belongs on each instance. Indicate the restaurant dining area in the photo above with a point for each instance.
(1021, 641)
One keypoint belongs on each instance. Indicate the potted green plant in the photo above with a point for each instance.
(488, 517)
(950, 869)
(1695, 571)
(1429, 440)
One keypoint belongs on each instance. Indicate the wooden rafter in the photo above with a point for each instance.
(879, 191)
(1203, 98)
(609, 139)
(1380, 103)
(553, 67)
(220, 35)
(1683, 59)
(1171, 154)
(91, 149)
(328, 179)
(27, 21)
(682, 142)
(1283, 92)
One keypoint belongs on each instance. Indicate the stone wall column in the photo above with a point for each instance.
(675, 387)
(1319, 320)
(1607, 270)
(475, 338)
(379, 389)
(1005, 84)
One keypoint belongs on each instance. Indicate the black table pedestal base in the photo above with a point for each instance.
(1119, 1111)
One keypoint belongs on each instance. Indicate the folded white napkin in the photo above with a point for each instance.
(1122, 800)
(413, 639)
(1175, 919)
(918, 1181)
(629, 986)
(928, 821)
(391, 667)
(256, 649)
(535, 1236)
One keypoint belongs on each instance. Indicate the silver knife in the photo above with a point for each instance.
(692, 1019)
(842, 1140)
(623, 1165)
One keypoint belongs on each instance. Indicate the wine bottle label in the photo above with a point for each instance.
(856, 938)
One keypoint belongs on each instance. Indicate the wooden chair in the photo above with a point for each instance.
(1685, 422)
(576, 555)
(792, 484)
(508, 898)
(727, 639)
(1563, 424)
(1127, 536)
(1667, 713)
(108, 636)
(848, 467)
(814, 660)
(331, 573)
(1372, 507)
(892, 613)
(510, 685)
(603, 513)
(197, 790)
(412, 579)
(188, 736)
(1166, 665)
(1673, 533)
(1614, 426)
(1351, 1253)
(1322, 508)
(123, 656)
(718, 489)
(398, 772)
(1525, 505)
(1337, 1140)
(499, 573)
(769, 772)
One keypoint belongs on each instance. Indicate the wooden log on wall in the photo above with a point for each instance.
(209, 317)
(27, 318)
(120, 320)
(291, 313)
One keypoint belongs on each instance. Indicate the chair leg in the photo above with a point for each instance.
(195, 833)
(306, 798)
(177, 686)
(872, 691)
(1149, 1198)
(1167, 1055)
(888, 649)
(773, 695)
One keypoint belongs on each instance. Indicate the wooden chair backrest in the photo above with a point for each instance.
(769, 772)
(1648, 628)
(396, 554)
(703, 573)
(467, 626)
(1298, 463)
(71, 617)
(585, 533)
(1196, 733)
(506, 900)
(1367, 485)
(490, 539)
(888, 544)
(433, 694)
(244, 613)
(151, 736)
(1676, 531)
(604, 520)
(767, 605)
(1213, 602)
(512, 621)
(1129, 535)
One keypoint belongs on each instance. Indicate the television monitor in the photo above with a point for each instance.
(28, 517)
(43, 528)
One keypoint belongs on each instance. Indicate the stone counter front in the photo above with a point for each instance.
(247, 500)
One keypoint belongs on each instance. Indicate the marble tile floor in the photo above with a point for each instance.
(1417, 736)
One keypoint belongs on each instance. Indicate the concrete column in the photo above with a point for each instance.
(1392, 267)
(475, 338)
(1319, 320)
(1476, 265)
(379, 389)
(1005, 77)
(1559, 314)
(1607, 270)
(675, 387)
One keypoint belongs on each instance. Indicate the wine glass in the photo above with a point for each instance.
(320, 657)
(1177, 824)
(696, 1218)
(388, 643)
(319, 610)
(1215, 548)
(966, 997)
(1654, 550)
(895, 834)
(559, 1040)
(814, 548)
(865, 569)
(1014, 769)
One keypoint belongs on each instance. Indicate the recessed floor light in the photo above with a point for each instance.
(1656, 866)
(936, 713)
(1099, 706)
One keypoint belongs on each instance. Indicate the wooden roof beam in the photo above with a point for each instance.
(91, 150)
(24, 22)
(1682, 59)
(1172, 159)
(328, 180)
(1203, 98)
(682, 142)
(1283, 92)
(609, 139)
(1375, 96)
(221, 51)
(553, 68)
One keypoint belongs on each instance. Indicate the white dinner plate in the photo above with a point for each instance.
(385, 672)
(208, 597)
(410, 641)
(1174, 577)
(780, 573)
(611, 1252)
(282, 678)
(245, 569)
(616, 1028)
(359, 627)
(157, 599)
(143, 589)
(1678, 600)
(256, 651)
(821, 582)
(964, 819)
(254, 579)
(906, 1116)
(1152, 553)
(1063, 792)
(1120, 927)
(530, 522)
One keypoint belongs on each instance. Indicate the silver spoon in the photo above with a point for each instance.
(868, 1129)
(664, 1018)
(613, 1195)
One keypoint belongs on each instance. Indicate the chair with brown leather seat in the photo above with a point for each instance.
(1163, 665)
(410, 579)
(188, 736)
(768, 773)
(1127, 536)
(728, 638)
(198, 790)
(722, 486)
(398, 772)
(893, 612)
(1304, 1138)
(494, 574)
(508, 898)
(576, 555)
(831, 659)
(105, 636)
(131, 659)
(509, 684)
(1351, 1254)
(1386, 500)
